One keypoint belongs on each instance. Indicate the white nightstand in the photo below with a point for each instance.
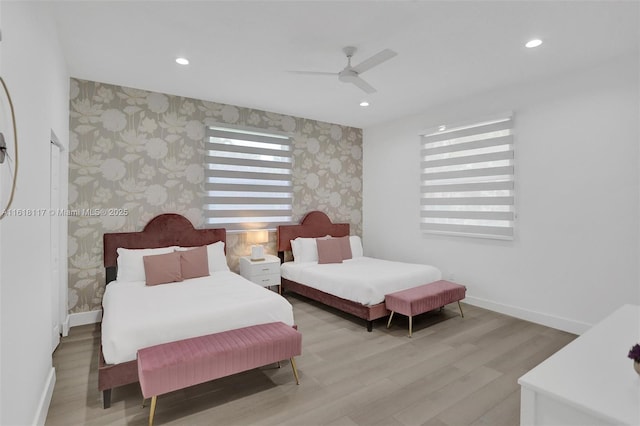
(264, 272)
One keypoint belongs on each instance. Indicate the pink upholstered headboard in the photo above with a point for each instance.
(162, 231)
(315, 224)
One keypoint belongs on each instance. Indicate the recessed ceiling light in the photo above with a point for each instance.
(364, 104)
(442, 128)
(182, 61)
(533, 43)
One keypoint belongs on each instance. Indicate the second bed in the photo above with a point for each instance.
(357, 285)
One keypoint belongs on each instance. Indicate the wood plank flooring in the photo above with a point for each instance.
(453, 371)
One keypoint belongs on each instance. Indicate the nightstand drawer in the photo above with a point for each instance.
(262, 272)
(266, 280)
(265, 269)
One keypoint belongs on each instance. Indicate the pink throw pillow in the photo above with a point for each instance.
(345, 246)
(329, 250)
(162, 268)
(194, 263)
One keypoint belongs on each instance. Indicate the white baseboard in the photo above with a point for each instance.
(55, 337)
(82, 318)
(65, 327)
(548, 320)
(45, 399)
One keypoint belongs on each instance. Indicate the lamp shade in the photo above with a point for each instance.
(257, 237)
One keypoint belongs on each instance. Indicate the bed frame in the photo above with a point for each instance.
(162, 231)
(317, 224)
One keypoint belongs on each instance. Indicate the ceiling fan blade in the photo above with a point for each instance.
(363, 85)
(313, 72)
(376, 59)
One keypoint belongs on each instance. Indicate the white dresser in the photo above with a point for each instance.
(265, 272)
(591, 381)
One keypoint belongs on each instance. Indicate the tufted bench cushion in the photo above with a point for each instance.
(176, 365)
(424, 298)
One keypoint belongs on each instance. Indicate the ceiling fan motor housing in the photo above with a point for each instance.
(347, 75)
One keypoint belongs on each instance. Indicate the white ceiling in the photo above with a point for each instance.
(241, 52)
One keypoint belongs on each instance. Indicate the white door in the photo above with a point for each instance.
(54, 239)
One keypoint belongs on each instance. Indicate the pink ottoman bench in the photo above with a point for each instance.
(176, 365)
(417, 300)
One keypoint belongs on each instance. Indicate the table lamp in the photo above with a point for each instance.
(256, 239)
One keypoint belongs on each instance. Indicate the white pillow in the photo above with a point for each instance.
(217, 258)
(296, 248)
(304, 250)
(356, 246)
(131, 265)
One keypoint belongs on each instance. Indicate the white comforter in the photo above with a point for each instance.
(138, 316)
(362, 279)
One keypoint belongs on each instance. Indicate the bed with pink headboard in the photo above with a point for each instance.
(314, 225)
(162, 231)
(139, 313)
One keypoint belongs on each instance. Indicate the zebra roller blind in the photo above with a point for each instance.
(467, 180)
(247, 179)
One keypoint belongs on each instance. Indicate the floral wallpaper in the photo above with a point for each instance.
(134, 154)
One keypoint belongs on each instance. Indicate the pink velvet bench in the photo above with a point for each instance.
(421, 299)
(176, 365)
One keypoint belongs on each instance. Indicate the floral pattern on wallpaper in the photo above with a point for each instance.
(142, 153)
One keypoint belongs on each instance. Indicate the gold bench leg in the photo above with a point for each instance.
(410, 325)
(153, 409)
(460, 307)
(389, 322)
(295, 371)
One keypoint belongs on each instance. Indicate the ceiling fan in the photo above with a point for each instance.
(351, 74)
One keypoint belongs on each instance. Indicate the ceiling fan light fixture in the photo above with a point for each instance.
(182, 61)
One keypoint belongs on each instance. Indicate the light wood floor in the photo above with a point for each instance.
(454, 371)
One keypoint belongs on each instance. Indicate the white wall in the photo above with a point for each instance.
(35, 73)
(575, 255)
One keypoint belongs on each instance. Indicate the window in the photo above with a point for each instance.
(247, 179)
(467, 180)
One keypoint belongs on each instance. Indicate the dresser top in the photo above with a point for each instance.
(593, 372)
